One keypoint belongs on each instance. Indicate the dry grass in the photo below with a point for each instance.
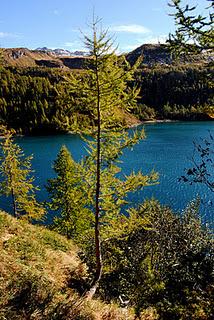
(36, 267)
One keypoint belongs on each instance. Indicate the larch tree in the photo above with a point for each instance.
(69, 199)
(17, 180)
(194, 32)
(105, 91)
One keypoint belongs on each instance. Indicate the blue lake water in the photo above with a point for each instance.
(167, 149)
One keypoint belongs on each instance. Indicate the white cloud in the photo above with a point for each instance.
(5, 34)
(130, 28)
(10, 35)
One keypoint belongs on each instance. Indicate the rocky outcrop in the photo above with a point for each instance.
(16, 54)
(160, 54)
(151, 54)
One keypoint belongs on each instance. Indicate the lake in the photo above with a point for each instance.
(167, 149)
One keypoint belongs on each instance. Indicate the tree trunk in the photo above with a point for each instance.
(14, 203)
(13, 195)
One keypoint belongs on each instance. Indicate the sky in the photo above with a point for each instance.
(57, 23)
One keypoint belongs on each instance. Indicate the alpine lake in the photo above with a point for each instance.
(167, 149)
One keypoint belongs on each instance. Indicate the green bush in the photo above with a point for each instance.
(165, 261)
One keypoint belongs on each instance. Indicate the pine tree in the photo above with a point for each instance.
(17, 179)
(68, 198)
(105, 92)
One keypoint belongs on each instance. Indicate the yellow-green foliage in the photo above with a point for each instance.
(36, 268)
(16, 178)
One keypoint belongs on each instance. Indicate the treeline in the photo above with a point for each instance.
(38, 100)
(180, 92)
(30, 100)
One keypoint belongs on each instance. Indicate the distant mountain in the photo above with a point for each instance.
(160, 54)
(62, 52)
(151, 54)
(42, 57)
(59, 58)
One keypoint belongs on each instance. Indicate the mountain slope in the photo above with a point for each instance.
(58, 58)
(38, 269)
(23, 57)
(160, 54)
(62, 52)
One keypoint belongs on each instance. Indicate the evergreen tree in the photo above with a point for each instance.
(17, 179)
(68, 198)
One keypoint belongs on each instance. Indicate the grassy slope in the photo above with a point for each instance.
(36, 268)
(25, 58)
(22, 57)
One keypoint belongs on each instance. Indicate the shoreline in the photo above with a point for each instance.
(134, 125)
(162, 121)
(166, 121)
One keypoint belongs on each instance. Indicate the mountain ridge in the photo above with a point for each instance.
(59, 58)
(62, 52)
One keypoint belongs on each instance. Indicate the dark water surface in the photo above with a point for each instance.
(167, 149)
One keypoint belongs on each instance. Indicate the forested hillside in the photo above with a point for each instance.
(38, 99)
(177, 91)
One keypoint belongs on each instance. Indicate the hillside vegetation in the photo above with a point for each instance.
(160, 264)
(38, 269)
(39, 100)
(35, 95)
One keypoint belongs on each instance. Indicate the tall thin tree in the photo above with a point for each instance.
(106, 90)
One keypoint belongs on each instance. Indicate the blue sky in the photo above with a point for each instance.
(56, 23)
